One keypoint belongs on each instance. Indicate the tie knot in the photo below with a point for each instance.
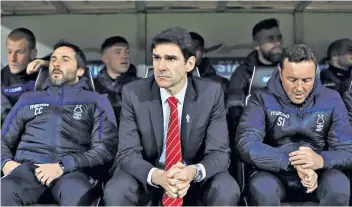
(172, 101)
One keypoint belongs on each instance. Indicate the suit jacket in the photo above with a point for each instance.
(203, 140)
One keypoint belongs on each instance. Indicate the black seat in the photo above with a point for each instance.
(150, 72)
(44, 74)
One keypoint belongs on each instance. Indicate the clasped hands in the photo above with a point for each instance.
(175, 181)
(306, 161)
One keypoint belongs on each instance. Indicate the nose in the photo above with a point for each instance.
(299, 86)
(55, 63)
(162, 65)
(124, 54)
(277, 41)
(13, 57)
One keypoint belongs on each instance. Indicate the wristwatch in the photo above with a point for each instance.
(199, 174)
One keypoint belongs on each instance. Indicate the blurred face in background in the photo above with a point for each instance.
(343, 57)
(199, 52)
(19, 54)
(268, 43)
(117, 58)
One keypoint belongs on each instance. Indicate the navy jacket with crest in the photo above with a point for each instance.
(67, 123)
(272, 126)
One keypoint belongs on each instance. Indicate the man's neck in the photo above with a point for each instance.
(173, 91)
(263, 60)
(336, 65)
(112, 74)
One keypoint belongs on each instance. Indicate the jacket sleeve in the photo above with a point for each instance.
(5, 107)
(129, 155)
(250, 136)
(347, 98)
(104, 140)
(11, 130)
(237, 86)
(339, 139)
(217, 148)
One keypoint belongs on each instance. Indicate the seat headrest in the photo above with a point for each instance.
(44, 74)
(150, 72)
(260, 78)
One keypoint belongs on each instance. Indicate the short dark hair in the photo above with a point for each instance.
(112, 41)
(80, 57)
(178, 36)
(198, 39)
(298, 53)
(264, 24)
(23, 33)
(336, 46)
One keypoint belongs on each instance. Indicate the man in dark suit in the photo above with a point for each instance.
(172, 132)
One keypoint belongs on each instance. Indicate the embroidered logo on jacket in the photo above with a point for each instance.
(320, 123)
(38, 108)
(282, 117)
(77, 112)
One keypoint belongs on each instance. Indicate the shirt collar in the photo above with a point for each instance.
(180, 96)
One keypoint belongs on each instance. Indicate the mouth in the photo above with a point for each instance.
(56, 72)
(162, 77)
(299, 96)
(276, 49)
(124, 63)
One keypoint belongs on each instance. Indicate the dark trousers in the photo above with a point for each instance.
(267, 189)
(21, 187)
(125, 190)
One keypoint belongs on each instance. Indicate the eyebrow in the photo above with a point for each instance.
(64, 56)
(166, 56)
(300, 78)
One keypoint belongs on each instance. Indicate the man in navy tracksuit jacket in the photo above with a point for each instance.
(296, 135)
(56, 139)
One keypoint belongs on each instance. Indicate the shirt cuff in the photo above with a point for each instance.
(204, 174)
(149, 179)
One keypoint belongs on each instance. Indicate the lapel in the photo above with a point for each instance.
(156, 115)
(188, 113)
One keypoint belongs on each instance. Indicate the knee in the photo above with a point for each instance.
(121, 190)
(9, 193)
(334, 188)
(80, 196)
(225, 188)
(336, 181)
(262, 183)
(337, 199)
(263, 189)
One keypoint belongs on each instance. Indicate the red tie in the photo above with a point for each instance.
(173, 148)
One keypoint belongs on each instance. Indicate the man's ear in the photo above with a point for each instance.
(104, 58)
(334, 56)
(191, 63)
(34, 53)
(80, 72)
(280, 71)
